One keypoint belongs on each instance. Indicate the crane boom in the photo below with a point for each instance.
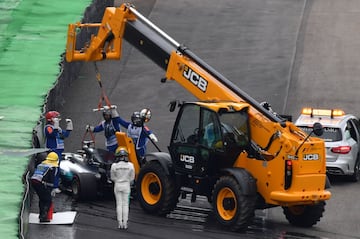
(159, 47)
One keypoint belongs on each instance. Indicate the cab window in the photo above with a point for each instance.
(210, 133)
(188, 125)
(234, 127)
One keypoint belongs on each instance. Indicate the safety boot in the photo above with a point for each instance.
(44, 215)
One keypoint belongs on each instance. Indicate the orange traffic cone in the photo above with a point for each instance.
(50, 212)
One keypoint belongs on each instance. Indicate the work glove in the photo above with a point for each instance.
(114, 112)
(56, 123)
(89, 128)
(153, 137)
(69, 124)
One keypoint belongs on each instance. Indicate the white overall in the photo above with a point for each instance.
(122, 174)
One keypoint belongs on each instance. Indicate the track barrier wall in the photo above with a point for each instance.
(55, 99)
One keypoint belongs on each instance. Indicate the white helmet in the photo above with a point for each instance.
(145, 114)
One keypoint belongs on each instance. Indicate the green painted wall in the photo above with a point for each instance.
(32, 39)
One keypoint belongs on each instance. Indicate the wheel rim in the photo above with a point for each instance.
(226, 204)
(151, 189)
(297, 210)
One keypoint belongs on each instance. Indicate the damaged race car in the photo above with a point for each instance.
(86, 174)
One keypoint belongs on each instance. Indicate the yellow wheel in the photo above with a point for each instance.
(226, 204)
(233, 208)
(151, 189)
(157, 191)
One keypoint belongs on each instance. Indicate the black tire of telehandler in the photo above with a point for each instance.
(304, 215)
(156, 191)
(243, 212)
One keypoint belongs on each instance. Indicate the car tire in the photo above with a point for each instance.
(355, 177)
(82, 187)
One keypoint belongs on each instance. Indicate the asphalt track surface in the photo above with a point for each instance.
(289, 53)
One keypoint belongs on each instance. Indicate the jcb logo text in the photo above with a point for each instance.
(195, 78)
(187, 158)
(311, 157)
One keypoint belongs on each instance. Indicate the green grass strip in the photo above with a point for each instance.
(32, 38)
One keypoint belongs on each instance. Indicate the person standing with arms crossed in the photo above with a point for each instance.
(122, 173)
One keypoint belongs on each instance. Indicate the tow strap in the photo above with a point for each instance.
(92, 138)
(103, 96)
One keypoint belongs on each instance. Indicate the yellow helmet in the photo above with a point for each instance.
(52, 159)
(121, 154)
